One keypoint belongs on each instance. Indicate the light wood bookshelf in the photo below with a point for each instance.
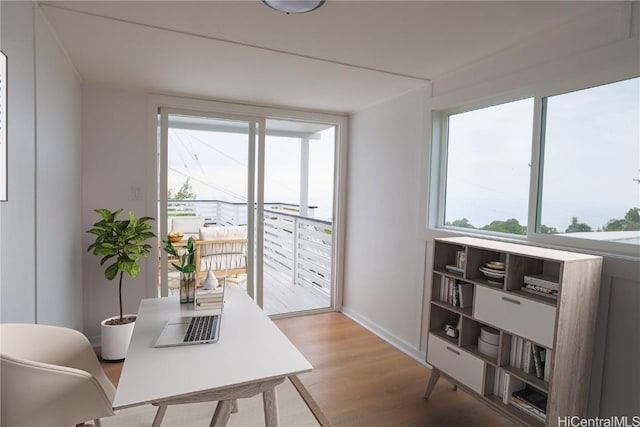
(562, 327)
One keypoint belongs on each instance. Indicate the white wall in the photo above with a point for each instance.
(40, 246)
(384, 244)
(18, 215)
(388, 206)
(114, 168)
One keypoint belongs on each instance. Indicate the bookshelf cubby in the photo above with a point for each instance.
(529, 298)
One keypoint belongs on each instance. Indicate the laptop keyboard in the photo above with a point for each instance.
(201, 328)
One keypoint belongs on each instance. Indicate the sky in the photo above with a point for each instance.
(591, 161)
(218, 166)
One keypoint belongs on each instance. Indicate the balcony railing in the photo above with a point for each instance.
(297, 247)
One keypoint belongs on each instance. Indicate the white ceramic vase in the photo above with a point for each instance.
(115, 339)
(211, 281)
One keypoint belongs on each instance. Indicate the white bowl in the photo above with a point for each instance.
(487, 349)
(489, 335)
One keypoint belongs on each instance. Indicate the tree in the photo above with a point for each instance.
(184, 193)
(630, 222)
(614, 225)
(632, 219)
(545, 229)
(122, 242)
(462, 223)
(577, 227)
(511, 226)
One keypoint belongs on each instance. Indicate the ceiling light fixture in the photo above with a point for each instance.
(294, 6)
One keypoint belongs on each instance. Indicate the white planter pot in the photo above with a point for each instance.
(115, 339)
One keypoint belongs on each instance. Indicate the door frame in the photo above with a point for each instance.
(255, 175)
(259, 114)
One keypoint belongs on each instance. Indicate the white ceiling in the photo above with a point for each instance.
(343, 57)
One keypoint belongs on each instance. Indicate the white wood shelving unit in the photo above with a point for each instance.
(563, 328)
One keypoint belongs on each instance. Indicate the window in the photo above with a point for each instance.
(591, 163)
(488, 168)
(588, 176)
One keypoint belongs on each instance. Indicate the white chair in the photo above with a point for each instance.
(188, 225)
(222, 250)
(51, 377)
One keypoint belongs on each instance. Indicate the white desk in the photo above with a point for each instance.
(252, 356)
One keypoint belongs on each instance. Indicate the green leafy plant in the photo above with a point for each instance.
(122, 242)
(186, 255)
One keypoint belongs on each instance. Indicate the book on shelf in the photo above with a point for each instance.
(547, 364)
(455, 294)
(528, 358)
(537, 361)
(543, 281)
(497, 382)
(519, 345)
(551, 295)
(529, 409)
(512, 354)
(466, 294)
(541, 289)
(532, 401)
(511, 385)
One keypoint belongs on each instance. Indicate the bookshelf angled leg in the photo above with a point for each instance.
(433, 379)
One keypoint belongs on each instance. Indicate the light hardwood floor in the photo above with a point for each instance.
(360, 380)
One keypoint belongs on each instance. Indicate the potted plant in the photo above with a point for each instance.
(186, 266)
(120, 244)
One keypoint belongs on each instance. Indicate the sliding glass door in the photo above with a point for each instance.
(298, 216)
(271, 181)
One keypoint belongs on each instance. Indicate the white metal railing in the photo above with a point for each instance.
(300, 248)
(297, 247)
(215, 212)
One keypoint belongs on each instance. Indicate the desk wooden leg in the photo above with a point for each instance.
(270, 400)
(159, 416)
(234, 406)
(222, 414)
(433, 379)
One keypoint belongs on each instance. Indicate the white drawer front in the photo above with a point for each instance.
(455, 362)
(521, 316)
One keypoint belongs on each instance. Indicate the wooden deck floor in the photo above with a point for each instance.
(282, 296)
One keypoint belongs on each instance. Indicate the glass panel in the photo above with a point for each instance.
(488, 168)
(298, 219)
(590, 180)
(208, 184)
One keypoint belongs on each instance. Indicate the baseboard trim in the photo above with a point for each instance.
(384, 334)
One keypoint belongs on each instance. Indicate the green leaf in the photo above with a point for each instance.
(111, 271)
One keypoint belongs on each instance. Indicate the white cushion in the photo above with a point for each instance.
(214, 233)
(188, 225)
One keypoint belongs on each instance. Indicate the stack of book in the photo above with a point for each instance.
(541, 285)
(208, 299)
(519, 394)
(456, 292)
(532, 402)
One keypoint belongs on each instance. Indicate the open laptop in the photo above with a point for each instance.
(193, 329)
